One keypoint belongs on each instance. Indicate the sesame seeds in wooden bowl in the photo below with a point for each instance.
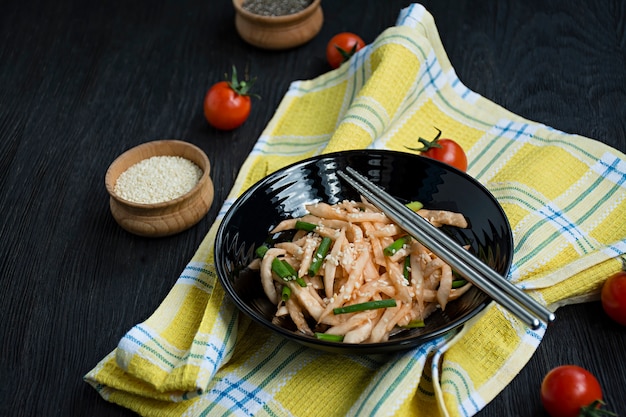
(160, 188)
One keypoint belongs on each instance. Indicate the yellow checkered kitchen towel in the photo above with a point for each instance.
(565, 197)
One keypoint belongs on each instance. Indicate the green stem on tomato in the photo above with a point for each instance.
(595, 409)
(428, 144)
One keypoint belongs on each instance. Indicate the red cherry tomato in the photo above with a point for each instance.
(444, 150)
(567, 390)
(227, 104)
(613, 297)
(450, 152)
(341, 47)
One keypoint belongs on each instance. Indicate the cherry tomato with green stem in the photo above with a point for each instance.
(572, 391)
(341, 47)
(227, 104)
(444, 150)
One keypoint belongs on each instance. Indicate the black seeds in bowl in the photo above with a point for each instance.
(275, 7)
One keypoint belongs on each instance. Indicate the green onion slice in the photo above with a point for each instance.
(309, 227)
(406, 270)
(320, 254)
(396, 245)
(368, 305)
(458, 283)
(283, 269)
(329, 337)
(286, 293)
(261, 251)
(415, 205)
(414, 324)
(292, 271)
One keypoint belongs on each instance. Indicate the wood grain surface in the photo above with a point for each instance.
(83, 81)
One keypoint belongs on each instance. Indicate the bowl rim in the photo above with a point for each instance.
(339, 347)
(288, 18)
(110, 181)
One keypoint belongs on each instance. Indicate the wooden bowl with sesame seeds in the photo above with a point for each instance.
(160, 188)
(283, 26)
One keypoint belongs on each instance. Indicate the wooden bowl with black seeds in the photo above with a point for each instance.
(278, 24)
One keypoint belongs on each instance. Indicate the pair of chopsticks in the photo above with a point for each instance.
(466, 264)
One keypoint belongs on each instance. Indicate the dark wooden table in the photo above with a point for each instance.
(82, 81)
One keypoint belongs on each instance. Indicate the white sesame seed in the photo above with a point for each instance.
(158, 179)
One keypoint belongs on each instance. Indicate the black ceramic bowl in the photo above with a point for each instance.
(407, 177)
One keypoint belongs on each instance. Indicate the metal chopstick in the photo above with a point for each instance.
(470, 267)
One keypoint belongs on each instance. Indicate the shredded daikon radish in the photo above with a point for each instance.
(370, 261)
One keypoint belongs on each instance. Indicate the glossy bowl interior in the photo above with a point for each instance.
(408, 177)
(169, 217)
